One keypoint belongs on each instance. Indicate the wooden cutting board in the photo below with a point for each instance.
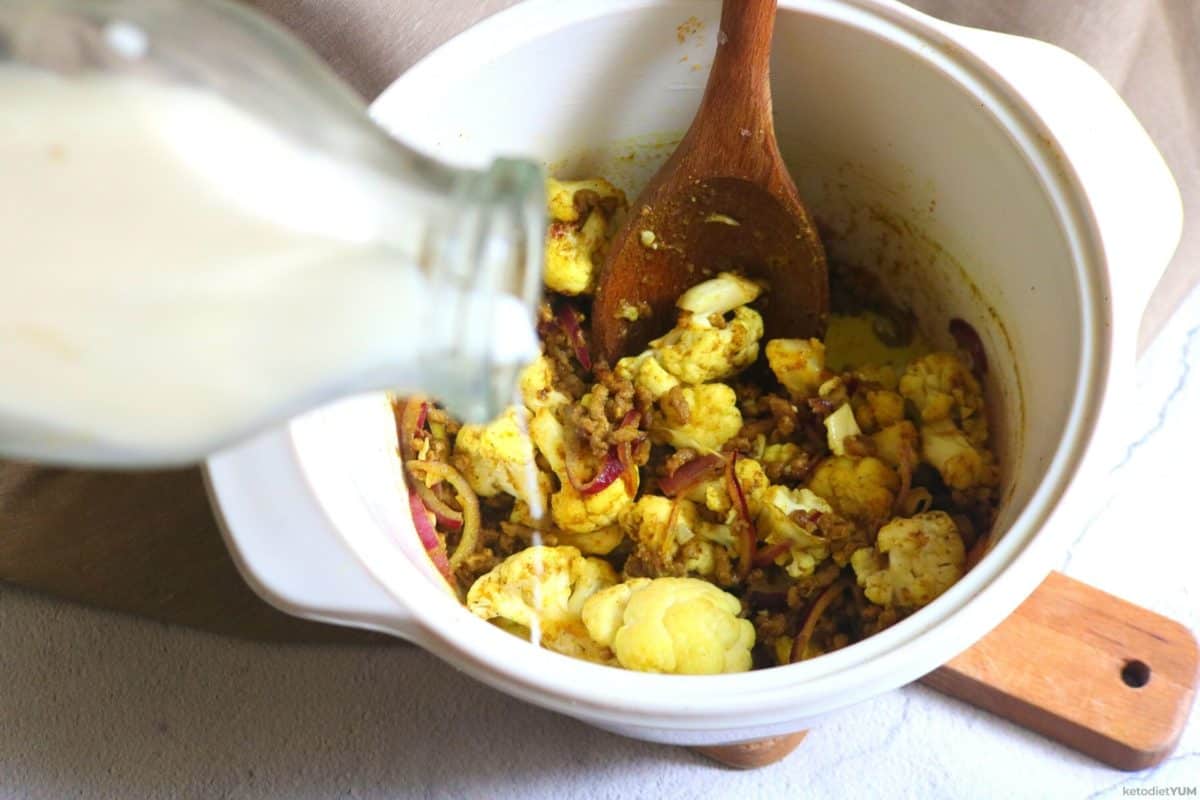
(1080, 666)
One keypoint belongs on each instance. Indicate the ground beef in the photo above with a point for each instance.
(635, 567)
(622, 397)
(785, 415)
(746, 440)
(723, 574)
(805, 589)
(588, 422)
(843, 536)
(558, 351)
(475, 566)
(655, 566)
(597, 420)
(749, 399)
(498, 506)
(771, 625)
(675, 407)
(873, 618)
(791, 472)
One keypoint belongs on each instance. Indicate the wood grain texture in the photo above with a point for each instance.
(1059, 664)
(143, 543)
(752, 755)
(726, 167)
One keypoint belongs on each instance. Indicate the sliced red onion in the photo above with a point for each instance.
(740, 496)
(610, 470)
(767, 556)
(428, 535)
(409, 421)
(628, 468)
(692, 473)
(968, 340)
(454, 523)
(412, 421)
(625, 452)
(748, 537)
(468, 542)
(812, 616)
(568, 317)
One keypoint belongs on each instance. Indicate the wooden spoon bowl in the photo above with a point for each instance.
(723, 201)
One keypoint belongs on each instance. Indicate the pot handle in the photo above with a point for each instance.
(1131, 190)
(285, 547)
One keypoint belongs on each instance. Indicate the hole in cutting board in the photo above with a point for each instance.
(1135, 674)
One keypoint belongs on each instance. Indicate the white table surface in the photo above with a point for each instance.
(94, 704)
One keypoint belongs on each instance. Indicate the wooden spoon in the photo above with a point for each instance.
(723, 201)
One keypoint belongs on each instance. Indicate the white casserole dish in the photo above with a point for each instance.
(930, 150)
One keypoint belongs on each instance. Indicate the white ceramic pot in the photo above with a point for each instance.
(990, 177)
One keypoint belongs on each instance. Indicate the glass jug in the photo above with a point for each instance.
(205, 234)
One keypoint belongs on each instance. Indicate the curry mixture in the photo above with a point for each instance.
(717, 503)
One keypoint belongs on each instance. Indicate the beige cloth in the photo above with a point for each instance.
(1148, 49)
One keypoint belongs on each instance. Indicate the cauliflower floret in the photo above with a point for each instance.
(560, 197)
(549, 586)
(883, 375)
(594, 543)
(860, 489)
(954, 429)
(798, 364)
(714, 494)
(775, 523)
(682, 546)
(713, 418)
(914, 560)
(704, 346)
(576, 513)
(898, 444)
(696, 351)
(840, 426)
(573, 252)
(498, 457)
(941, 387)
(877, 408)
(578, 233)
(537, 386)
(948, 450)
(671, 625)
(645, 372)
(785, 462)
(718, 295)
(571, 511)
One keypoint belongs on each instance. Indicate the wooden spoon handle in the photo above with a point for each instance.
(738, 95)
